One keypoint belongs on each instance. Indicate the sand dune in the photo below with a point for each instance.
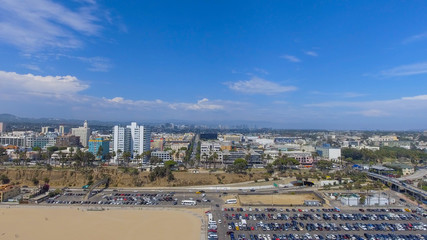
(57, 223)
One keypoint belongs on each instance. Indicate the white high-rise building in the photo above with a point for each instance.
(83, 133)
(2, 127)
(133, 138)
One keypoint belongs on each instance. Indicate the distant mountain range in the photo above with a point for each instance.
(9, 118)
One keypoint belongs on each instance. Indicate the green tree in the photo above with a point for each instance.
(35, 181)
(290, 162)
(280, 164)
(4, 179)
(324, 164)
(269, 168)
(170, 164)
(126, 157)
(240, 165)
(155, 160)
(362, 200)
(100, 153)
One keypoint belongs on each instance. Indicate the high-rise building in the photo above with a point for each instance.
(83, 133)
(47, 129)
(133, 138)
(63, 130)
(2, 127)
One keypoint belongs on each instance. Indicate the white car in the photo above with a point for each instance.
(219, 221)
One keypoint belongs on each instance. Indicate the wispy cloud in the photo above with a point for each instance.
(32, 67)
(339, 94)
(290, 58)
(311, 53)
(405, 70)
(395, 107)
(35, 25)
(415, 38)
(280, 102)
(258, 85)
(371, 113)
(262, 71)
(96, 64)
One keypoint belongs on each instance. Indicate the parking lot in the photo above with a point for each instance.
(321, 223)
(266, 223)
(132, 198)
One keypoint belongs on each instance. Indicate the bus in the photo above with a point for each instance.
(231, 201)
(210, 217)
(188, 202)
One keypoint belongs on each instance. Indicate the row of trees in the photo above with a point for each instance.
(416, 156)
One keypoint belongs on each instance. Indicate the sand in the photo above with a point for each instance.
(279, 199)
(49, 223)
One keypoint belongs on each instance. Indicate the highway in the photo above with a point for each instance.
(400, 184)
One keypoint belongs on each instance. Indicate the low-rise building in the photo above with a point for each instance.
(164, 155)
(68, 141)
(329, 153)
(8, 191)
(376, 200)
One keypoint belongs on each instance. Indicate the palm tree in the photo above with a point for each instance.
(100, 153)
(126, 157)
(119, 155)
(204, 157)
(214, 158)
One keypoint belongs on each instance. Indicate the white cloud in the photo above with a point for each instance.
(419, 97)
(34, 25)
(259, 86)
(204, 104)
(200, 105)
(415, 38)
(311, 53)
(291, 58)
(14, 83)
(405, 70)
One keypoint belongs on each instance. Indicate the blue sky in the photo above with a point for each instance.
(287, 64)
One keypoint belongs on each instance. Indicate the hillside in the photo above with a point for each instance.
(71, 178)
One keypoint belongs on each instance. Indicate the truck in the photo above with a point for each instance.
(244, 223)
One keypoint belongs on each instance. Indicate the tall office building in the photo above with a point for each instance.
(133, 138)
(63, 130)
(83, 133)
(2, 127)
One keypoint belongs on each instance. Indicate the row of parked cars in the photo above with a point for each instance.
(300, 226)
(308, 236)
(117, 199)
(319, 216)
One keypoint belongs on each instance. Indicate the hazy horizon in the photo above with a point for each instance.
(285, 64)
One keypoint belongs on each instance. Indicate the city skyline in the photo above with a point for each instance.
(316, 65)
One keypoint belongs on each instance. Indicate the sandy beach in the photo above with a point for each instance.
(53, 223)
